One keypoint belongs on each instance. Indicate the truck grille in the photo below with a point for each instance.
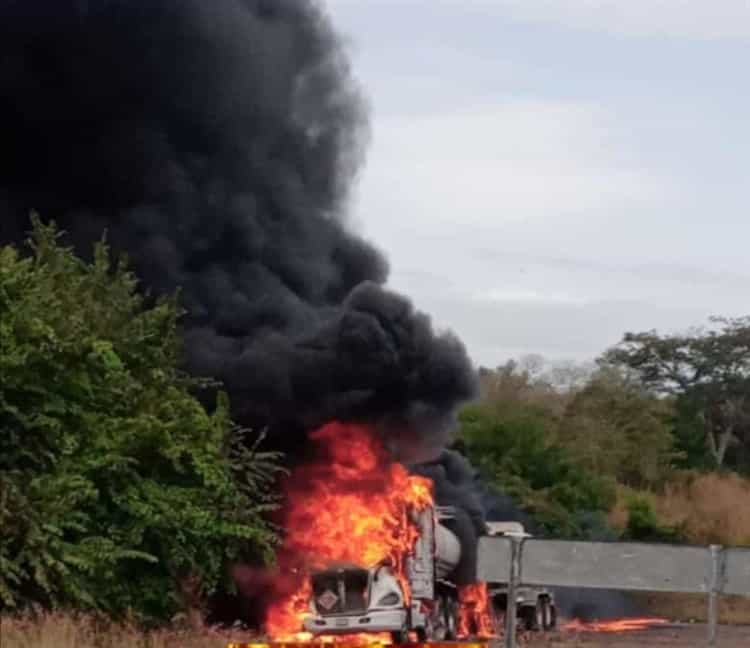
(340, 591)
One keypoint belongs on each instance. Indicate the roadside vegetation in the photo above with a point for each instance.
(119, 492)
(603, 451)
(651, 442)
(58, 630)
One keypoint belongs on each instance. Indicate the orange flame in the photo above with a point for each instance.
(615, 625)
(350, 505)
(474, 612)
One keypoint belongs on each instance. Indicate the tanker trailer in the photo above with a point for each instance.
(350, 599)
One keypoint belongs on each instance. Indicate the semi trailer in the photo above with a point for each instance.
(351, 599)
(535, 606)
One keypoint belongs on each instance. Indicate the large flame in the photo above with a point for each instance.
(350, 505)
(474, 617)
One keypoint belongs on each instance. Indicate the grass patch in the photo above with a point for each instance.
(67, 631)
(710, 508)
(702, 508)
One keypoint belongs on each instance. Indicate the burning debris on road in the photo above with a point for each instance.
(633, 624)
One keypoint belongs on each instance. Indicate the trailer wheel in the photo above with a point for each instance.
(438, 624)
(532, 617)
(450, 609)
(497, 614)
(549, 614)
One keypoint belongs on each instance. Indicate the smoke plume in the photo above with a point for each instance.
(455, 485)
(216, 143)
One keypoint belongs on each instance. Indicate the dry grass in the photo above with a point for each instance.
(61, 631)
(708, 509)
(64, 631)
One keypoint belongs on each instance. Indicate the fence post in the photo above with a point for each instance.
(513, 578)
(714, 588)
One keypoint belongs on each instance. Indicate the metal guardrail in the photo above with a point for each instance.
(631, 566)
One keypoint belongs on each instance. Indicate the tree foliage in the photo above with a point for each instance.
(559, 440)
(643, 524)
(514, 453)
(115, 483)
(614, 427)
(708, 371)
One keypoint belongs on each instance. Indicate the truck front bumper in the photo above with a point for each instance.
(372, 621)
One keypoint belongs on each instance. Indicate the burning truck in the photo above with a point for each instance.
(348, 599)
(369, 551)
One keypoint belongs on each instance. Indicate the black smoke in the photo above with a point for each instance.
(456, 485)
(216, 143)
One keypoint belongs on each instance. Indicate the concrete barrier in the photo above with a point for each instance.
(614, 565)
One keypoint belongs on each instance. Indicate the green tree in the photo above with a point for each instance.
(708, 371)
(614, 427)
(514, 453)
(115, 484)
(643, 524)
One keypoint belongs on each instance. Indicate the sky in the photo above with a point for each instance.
(545, 175)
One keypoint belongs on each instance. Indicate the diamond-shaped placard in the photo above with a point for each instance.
(328, 599)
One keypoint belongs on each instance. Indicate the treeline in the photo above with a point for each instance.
(119, 492)
(650, 442)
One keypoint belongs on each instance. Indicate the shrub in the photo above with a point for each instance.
(515, 455)
(709, 508)
(115, 483)
(644, 525)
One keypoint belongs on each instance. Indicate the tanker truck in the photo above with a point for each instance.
(351, 599)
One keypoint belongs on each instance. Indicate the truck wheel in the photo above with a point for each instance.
(531, 620)
(400, 637)
(450, 609)
(437, 624)
(497, 615)
(550, 615)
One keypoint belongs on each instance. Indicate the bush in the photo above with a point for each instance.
(709, 508)
(615, 428)
(643, 524)
(115, 483)
(514, 454)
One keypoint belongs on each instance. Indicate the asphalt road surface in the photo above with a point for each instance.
(667, 636)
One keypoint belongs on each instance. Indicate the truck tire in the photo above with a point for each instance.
(400, 637)
(533, 616)
(438, 626)
(450, 609)
(497, 615)
(549, 614)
